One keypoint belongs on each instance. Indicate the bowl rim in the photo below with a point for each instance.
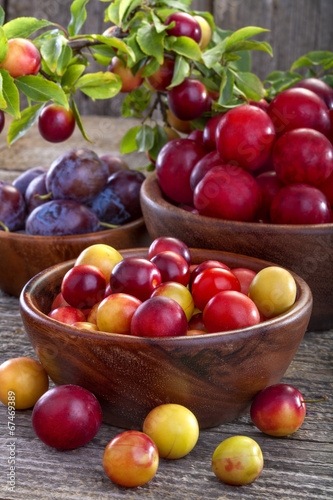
(151, 185)
(68, 238)
(303, 298)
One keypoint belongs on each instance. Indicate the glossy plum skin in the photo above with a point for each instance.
(298, 108)
(126, 185)
(114, 314)
(66, 417)
(245, 136)
(230, 310)
(300, 204)
(12, 207)
(35, 190)
(67, 314)
(23, 180)
(172, 266)
(78, 175)
(2, 120)
(135, 276)
(207, 264)
(131, 459)
(210, 160)
(209, 132)
(114, 163)
(83, 285)
(278, 410)
(319, 87)
(168, 243)
(269, 185)
(303, 156)
(61, 217)
(228, 192)
(159, 316)
(129, 80)
(163, 76)
(188, 100)
(211, 281)
(23, 58)
(56, 123)
(176, 161)
(185, 25)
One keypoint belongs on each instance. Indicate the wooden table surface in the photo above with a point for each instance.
(296, 467)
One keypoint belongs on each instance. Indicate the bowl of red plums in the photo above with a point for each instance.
(256, 180)
(50, 215)
(166, 324)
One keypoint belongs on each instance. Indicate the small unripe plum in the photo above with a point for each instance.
(22, 58)
(131, 459)
(23, 381)
(56, 123)
(273, 290)
(278, 410)
(185, 25)
(173, 428)
(206, 32)
(238, 460)
(188, 100)
(129, 80)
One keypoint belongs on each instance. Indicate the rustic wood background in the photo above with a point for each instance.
(296, 27)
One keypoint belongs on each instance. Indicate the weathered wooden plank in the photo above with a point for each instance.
(296, 27)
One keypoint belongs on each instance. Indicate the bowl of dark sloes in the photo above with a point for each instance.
(50, 215)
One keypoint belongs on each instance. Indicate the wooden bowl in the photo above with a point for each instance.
(305, 249)
(214, 375)
(23, 255)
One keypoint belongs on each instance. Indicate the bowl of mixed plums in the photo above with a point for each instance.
(166, 324)
(50, 215)
(257, 180)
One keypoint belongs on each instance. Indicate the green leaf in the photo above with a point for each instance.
(150, 68)
(250, 85)
(212, 56)
(19, 127)
(250, 45)
(23, 27)
(72, 74)
(151, 42)
(187, 47)
(3, 45)
(101, 85)
(160, 139)
(243, 34)
(2, 16)
(159, 26)
(10, 94)
(136, 102)
(243, 63)
(226, 87)
(64, 59)
(315, 58)
(78, 16)
(181, 70)
(144, 138)
(78, 120)
(51, 50)
(128, 142)
(40, 89)
(112, 13)
(115, 43)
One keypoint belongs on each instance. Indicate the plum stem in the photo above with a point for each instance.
(324, 398)
(5, 228)
(106, 224)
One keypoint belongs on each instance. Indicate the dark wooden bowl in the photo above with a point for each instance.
(22, 256)
(214, 375)
(306, 250)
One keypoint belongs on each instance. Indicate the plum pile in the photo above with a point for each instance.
(262, 161)
(79, 193)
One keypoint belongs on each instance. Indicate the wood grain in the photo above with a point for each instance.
(297, 467)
